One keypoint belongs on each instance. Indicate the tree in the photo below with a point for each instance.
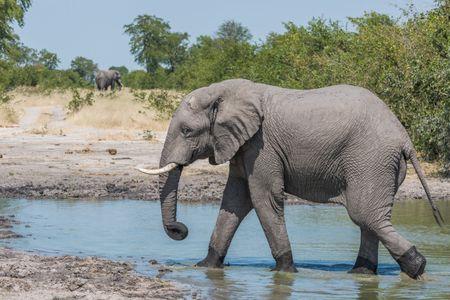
(154, 45)
(122, 69)
(11, 11)
(234, 31)
(138, 79)
(48, 59)
(84, 67)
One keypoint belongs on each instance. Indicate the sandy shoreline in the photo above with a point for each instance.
(72, 166)
(31, 276)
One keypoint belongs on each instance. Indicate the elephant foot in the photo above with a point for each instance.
(364, 266)
(412, 263)
(285, 263)
(212, 260)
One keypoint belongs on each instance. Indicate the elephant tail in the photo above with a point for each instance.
(411, 154)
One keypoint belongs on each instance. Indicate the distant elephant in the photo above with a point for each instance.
(106, 79)
(339, 144)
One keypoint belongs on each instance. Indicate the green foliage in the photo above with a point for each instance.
(159, 101)
(4, 97)
(85, 67)
(234, 31)
(211, 60)
(48, 59)
(138, 80)
(11, 11)
(122, 69)
(78, 101)
(154, 45)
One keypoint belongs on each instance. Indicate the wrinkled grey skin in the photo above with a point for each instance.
(338, 144)
(106, 79)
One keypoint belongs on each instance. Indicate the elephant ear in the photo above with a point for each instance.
(235, 118)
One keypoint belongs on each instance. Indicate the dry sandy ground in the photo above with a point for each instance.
(50, 154)
(71, 166)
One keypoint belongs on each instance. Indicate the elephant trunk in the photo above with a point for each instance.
(168, 190)
(119, 82)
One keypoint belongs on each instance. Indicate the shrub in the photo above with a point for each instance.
(4, 97)
(78, 101)
(159, 101)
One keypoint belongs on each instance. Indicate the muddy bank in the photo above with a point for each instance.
(6, 224)
(79, 165)
(29, 276)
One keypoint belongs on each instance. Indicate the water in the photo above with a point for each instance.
(324, 241)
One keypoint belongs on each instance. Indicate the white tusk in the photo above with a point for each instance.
(162, 170)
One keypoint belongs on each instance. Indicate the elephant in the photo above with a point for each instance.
(108, 78)
(339, 144)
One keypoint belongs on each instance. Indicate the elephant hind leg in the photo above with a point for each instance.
(374, 215)
(367, 260)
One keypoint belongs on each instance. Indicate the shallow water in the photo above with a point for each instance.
(324, 241)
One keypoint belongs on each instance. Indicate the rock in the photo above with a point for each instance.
(164, 269)
(153, 262)
(8, 234)
(112, 151)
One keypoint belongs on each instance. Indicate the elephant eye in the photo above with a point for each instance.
(186, 130)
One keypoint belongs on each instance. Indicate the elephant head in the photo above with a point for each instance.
(116, 77)
(211, 122)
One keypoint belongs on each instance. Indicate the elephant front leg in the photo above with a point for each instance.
(235, 206)
(367, 261)
(268, 201)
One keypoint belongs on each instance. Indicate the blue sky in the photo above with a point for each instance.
(94, 28)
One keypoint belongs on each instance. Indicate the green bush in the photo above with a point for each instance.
(138, 80)
(159, 101)
(78, 101)
(4, 97)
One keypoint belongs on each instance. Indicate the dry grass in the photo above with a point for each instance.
(8, 116)
(431, 169)
(26, 97)
(121, 112)
(110, 111)
(42, 130)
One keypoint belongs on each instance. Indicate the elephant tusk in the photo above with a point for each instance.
(162, 170)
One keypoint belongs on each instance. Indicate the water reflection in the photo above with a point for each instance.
(222, 286)
(368, 288)
(281, 287)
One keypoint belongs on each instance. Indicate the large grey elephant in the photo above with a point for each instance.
(339, 144)
(108, 78)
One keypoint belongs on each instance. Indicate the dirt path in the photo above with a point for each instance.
(30, 117)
